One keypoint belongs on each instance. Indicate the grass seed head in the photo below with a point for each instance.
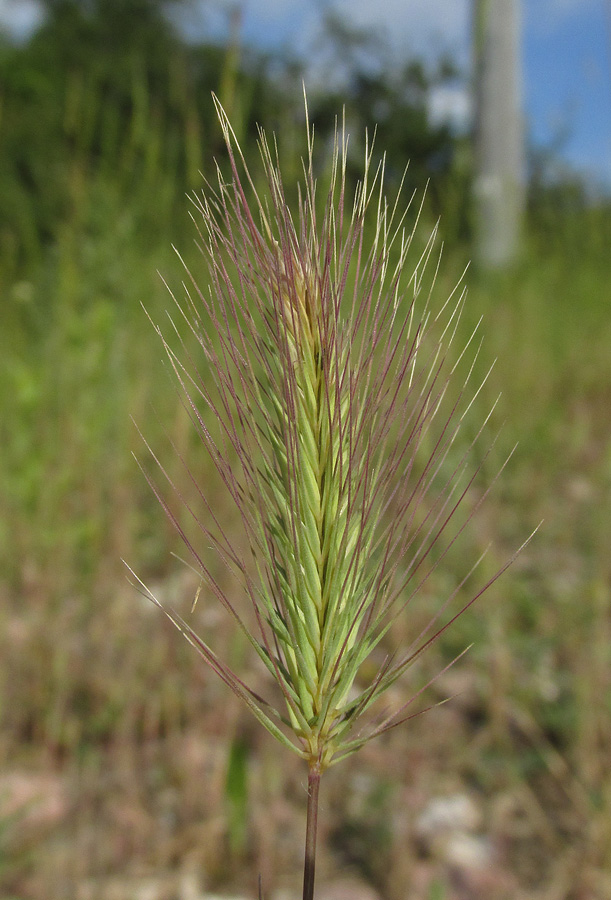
(323, 408)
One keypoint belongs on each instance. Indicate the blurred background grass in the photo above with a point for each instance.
(119, 754)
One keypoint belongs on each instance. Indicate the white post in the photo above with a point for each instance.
(499, 183)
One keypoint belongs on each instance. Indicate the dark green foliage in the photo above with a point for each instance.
(106, 87)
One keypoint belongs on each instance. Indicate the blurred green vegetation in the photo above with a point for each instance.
(106, 124)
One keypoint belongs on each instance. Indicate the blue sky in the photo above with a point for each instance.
(567, 79)
(566, 55)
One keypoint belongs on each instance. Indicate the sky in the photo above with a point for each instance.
(566, 56)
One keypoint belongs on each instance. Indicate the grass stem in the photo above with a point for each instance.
(311, 829)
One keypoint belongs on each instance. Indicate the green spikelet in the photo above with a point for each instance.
(309, 467)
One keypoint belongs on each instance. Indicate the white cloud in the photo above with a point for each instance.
(452, 105)
(20, 17)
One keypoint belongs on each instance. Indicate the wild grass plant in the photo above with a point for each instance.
(329, 396)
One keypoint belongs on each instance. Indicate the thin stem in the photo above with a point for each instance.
(311, 827)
